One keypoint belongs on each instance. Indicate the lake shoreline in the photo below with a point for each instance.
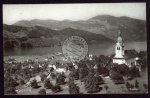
(32, 57)
(95, 49)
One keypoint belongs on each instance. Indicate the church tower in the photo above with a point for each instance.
(119, 50)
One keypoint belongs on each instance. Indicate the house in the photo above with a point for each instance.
(60, 68)
(11, 61)
(48, 76)
(57, 67)
(36, 60)
(75, 65)
(46, 59)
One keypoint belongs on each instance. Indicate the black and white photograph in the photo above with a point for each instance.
(75, 48)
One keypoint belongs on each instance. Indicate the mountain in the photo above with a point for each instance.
(87, 36)
(37, 36)
(107, 25)
(18, 36)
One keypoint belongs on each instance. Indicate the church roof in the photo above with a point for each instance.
(119, 39)
(130, 54)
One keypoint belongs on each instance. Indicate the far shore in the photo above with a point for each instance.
(32, 57)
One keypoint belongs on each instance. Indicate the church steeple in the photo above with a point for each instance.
(119, 33)
(119, 50)
(119, 46)
(119, 39)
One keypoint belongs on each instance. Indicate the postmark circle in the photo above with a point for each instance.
(75, 48)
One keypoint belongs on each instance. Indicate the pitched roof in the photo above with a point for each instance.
(11, 60)
(60, 66)
(130, 54)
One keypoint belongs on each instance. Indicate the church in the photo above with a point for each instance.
(122, 56)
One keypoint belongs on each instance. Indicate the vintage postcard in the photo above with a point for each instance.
(91, 48)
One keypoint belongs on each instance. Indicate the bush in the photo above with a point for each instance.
(42, 92)
(56, 88)
(48, 84)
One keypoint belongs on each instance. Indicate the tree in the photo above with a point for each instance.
(6, 84)
(128, 85)
(91, 84)
(60, 79)
(102, 70)
(131, 86)
(73, 88)
(117, 78)
(134, 72)
(51, 69)
(99, 79)
(10, 91)
(122, 87)
(9, 86)
(74, 74)
(48, 84)
(42, 92)
(136, 84)
(83, 72)
(43, 76)
(10, 82)
(53, 75)
(106, 87)
(145, 86)
(56, 88)
(123, 69)
(34, 84)
(22, 82)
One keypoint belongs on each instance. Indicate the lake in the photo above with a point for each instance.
(95, 49)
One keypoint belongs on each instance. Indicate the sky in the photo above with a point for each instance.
(13, 13)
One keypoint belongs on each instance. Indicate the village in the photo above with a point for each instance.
(93, 74)
(75, 48)
(122, 72)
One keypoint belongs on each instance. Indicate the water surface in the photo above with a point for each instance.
(95, 49)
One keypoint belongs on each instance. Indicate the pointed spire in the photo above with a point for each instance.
(119, 39)
(119, 33)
